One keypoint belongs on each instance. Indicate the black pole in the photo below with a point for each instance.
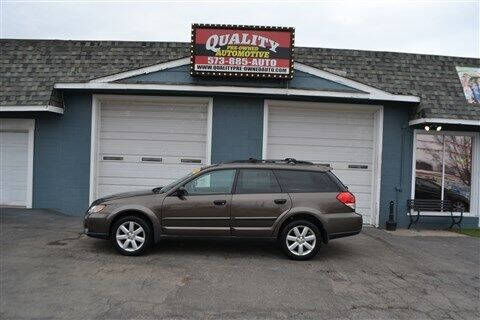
(391, 224)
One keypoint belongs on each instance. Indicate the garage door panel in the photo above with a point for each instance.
(338, 138)
(13, 168)
(151, 182)
(302, 111)
(159, 148)
(147, 125)
(14, 157)
(324, 131)
(321, 142)
(15, 175)
(315, 119)
(354, 179)
(128, 135)
(310, 153)
(133, 108)
(106, 190)
(144, 170)
(166, 134)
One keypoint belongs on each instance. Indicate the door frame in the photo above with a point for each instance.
(28, 126)
(378, 113)
(95, 126)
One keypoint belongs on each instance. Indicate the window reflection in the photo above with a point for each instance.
(428, 171)
(443, 168)
(458, 170)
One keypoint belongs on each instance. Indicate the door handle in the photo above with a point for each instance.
(219, 202)
(280, 201)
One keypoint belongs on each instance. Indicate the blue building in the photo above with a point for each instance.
(83, 119)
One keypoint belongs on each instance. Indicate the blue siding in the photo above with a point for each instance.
(62, 157)
(61, 161)
(237, 128)
(396, 184)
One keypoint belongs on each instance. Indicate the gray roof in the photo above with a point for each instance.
(30, 68)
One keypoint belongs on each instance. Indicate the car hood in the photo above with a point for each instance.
(124, 195)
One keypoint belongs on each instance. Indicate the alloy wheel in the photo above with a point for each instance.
(130, 236)
(301, 240)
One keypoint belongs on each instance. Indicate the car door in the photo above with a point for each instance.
(257, 202)
(204, 209)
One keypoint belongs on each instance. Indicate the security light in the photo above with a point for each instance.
(439, 128)
(427, 128)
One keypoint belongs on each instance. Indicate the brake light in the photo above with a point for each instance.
(347, 198)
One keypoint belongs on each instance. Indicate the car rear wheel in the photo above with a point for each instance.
(300, 240)
(131, 236)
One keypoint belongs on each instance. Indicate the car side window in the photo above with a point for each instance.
(257, 181)
(215, 182)
(306, 181)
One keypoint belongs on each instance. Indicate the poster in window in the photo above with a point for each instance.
(470, 80)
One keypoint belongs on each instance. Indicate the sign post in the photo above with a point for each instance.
(242, 51)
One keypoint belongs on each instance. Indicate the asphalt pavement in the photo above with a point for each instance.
(50, 270)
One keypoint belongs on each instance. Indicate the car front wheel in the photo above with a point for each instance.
(300, 240)
(131, 236)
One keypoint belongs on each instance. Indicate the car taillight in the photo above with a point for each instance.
(347, 198)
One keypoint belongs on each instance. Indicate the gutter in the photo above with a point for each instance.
(444, 121)
(44, 108)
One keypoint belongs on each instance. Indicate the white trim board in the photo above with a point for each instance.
(377, 140)
(475, 183)
(97, 100)
(444, 121)
(46, 108)
(29, 126)
(234, 89)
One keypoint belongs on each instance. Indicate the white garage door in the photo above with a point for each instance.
(13, 168)
(149, 144)
(342, 138)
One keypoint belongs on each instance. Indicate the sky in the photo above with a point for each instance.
(430, 27)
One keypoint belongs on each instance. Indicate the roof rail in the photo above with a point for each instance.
(286, 160)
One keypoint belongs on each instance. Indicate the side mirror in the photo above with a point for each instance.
(181, 192)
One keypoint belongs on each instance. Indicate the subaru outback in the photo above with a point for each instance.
(298, 203)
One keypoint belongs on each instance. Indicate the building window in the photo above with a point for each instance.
(443, 168)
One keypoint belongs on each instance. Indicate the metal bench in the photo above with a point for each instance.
(427, 206)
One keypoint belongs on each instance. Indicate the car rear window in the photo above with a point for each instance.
(307, 181)
(257, 181)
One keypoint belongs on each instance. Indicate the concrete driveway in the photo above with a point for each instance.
(49, 270)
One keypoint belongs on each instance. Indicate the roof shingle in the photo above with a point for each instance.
(30, 68)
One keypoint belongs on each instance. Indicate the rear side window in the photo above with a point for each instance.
(257, 181)
(307, 181)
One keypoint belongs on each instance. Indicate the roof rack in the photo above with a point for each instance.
(286, 160)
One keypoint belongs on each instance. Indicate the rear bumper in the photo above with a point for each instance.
(342, 225)
(343, 234)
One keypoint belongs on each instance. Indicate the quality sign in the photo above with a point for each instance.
(242, 51)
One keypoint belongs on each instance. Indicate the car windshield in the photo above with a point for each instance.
(173, 184)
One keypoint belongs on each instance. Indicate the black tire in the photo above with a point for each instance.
(290, 228)
(129, 249)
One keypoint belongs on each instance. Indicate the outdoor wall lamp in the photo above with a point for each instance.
(436, 127)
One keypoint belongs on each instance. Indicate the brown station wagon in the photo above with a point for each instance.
(300, 204)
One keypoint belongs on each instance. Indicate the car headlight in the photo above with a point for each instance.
(97, 208)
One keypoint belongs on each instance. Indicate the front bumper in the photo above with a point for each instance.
(96, 225)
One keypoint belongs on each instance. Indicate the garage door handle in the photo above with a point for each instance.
(219, 202)
(280, 201)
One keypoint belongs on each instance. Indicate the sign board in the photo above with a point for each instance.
(242, 51)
